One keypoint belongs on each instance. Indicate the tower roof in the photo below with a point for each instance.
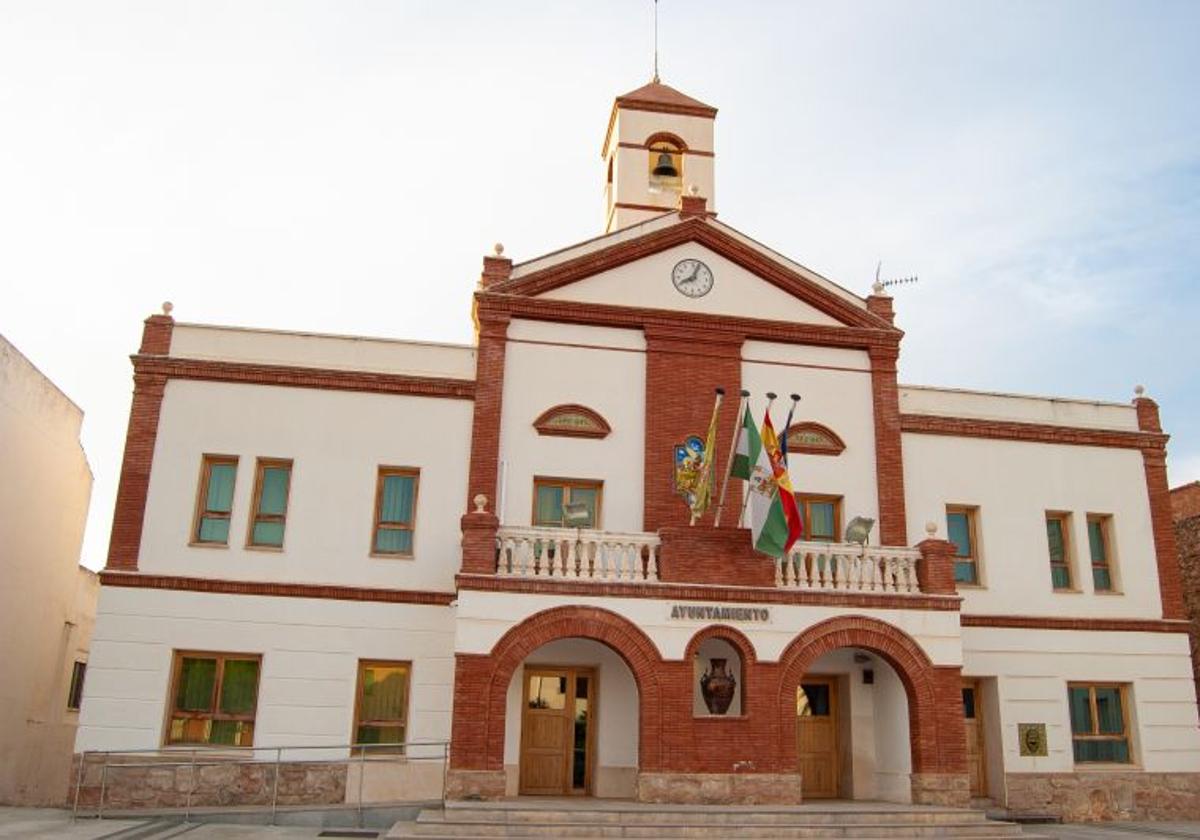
(656, 96)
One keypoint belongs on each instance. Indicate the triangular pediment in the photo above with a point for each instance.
(636, 268)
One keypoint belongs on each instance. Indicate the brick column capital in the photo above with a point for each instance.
(935, 572)
(479, 542)
(156, 335)
(1147, 414)
(881, 305)
(884, 356)
(692, 206)
(496, 269)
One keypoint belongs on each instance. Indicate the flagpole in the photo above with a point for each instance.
(708, 456)
(787, 424)
(746, 498)
(737, 431)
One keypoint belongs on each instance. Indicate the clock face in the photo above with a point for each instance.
(692, 278)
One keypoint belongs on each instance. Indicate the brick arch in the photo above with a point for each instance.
(666, 137)
(621, 635)
(935, 724)
(735, 637)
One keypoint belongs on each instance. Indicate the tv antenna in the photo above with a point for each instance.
(880, 284)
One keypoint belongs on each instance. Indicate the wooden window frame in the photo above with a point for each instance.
(363, 664)
(256, 516)
(972, 514)
(381, 473)
(803, 500)
(1063, 517)
(215, 714)
(75, 691)
(1105, 522)
(207, 461)
(1126, 735)
(567, 484)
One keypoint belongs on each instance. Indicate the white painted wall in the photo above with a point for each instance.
(276, 347)
(838, 398)
(337, 441)
(616, 714)
(735, 291)
(608, 376)
(483, 617)
(310, 650)
(952, 402)
(1033, 667)
(46, 599)
(1014, 484)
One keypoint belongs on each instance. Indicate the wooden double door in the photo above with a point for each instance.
(558, 710)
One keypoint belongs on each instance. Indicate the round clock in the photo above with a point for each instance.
(692, 278)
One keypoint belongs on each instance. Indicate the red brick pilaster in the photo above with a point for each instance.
(489, 395)
(712, 556)
(683, 369)
(1154, 458)
(889, 462)
(130, 508)
(935, 572)
(496, 269)
(692, 206)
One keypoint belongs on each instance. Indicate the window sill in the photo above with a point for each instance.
(209, 748)
(1106, 767)
(194, 544)
(970, 586)
(378, 556)
(270, 549)
(1067, 591)
(1107, 592)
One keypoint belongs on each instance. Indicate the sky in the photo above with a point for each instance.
(342, 167)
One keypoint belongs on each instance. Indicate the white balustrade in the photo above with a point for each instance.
(849, 567)
(577, 554)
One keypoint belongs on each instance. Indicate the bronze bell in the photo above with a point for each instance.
(665, 168)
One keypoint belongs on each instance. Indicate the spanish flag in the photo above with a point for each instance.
(774, 518)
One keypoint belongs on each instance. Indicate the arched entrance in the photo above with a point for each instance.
(936, 733)
(484, 688)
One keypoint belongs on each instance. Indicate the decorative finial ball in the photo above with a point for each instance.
(167, 307)
(499, 249)
(877, 288)
(931, 528)
(480, 503)
(693, 191)
(1139, 390)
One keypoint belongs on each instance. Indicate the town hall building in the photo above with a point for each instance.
(324, 541)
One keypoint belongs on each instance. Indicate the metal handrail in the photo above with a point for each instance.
(398, 752)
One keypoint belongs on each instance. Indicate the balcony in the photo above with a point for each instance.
(713, 556)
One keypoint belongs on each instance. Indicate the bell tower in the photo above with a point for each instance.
(659, 144)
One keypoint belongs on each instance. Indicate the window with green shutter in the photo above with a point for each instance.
(961, 530)
(214, 698)
(214, 499)
(272, 484)
(1058, 538)
(1099, 723)
(395, 511)
(1098, 547)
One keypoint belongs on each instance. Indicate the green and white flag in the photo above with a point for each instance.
(749, 444)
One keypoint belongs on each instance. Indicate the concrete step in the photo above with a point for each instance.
(665, 822)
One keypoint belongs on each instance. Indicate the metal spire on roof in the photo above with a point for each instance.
(656, 41)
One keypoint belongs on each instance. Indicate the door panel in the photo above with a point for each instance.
(816, 737)
(556, 730)
(976, 755)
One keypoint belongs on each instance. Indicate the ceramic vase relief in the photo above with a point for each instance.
(717, 687)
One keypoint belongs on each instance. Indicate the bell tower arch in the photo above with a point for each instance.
(658, 145)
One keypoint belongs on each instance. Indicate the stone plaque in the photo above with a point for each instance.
(1032, 737)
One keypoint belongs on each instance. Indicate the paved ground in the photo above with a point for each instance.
(51, 824)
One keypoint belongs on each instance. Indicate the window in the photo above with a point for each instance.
(381, 710)
(75, 695)
(1058, 535)
(821, 515)
(213, 699)
(550, 494)
(272, 482)
(214, 501)
(395, 511)
(1099, 723)
(961, 529)
(1098, 528)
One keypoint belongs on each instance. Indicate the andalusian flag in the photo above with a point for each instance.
(774, 517)
(745, 455)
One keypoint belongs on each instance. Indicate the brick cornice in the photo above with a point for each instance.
(695, 229)
(927, 424)
(494, 303)
(697, 592)
(303, 377)
(276, 590)
(1037, 622)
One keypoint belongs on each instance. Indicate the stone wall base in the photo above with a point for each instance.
(720, 788)
(945, 789)
(1108, 795)
(213, 782)
(475, 784)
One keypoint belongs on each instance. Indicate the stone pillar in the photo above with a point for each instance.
(935, 572)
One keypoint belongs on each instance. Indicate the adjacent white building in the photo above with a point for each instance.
(329, 541)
